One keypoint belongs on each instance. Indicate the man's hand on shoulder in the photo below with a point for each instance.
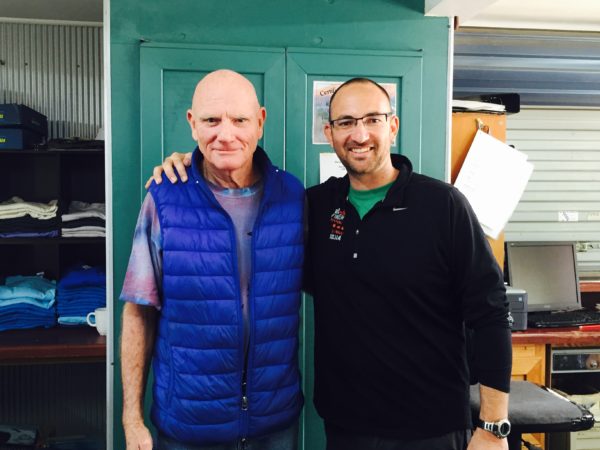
(177, 161)
(484, 440)
(137, 436)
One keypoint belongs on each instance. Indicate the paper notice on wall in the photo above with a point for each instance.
(322, 92)
(330, 166)
(493, 178)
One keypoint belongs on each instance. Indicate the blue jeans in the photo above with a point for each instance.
(282, 440)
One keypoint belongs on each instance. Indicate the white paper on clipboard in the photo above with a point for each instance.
(493, 178)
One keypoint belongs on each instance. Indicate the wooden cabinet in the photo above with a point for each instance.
(530, 356)
(464, 128)
(529, 363)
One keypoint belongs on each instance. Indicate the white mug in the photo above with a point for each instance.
(100, 320)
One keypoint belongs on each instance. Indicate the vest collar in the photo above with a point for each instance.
(260, 160)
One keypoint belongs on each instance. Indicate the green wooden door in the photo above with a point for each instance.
(168, 77)
(311, 74)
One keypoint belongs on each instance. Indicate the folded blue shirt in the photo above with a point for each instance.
(78, 311)
(45, 304)
(17, 318)
(23, 315)
(54, 233)
(83, 276)
(28, 286)
(25, 308)
(23, 324)
(72, 320)
(75, 295)
(79, 289)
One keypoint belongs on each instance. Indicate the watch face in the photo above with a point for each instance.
(504, 428)
(500, 429)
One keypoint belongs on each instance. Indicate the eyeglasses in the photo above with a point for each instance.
(370, 121)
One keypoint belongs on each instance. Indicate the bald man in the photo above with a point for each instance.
(212, 289)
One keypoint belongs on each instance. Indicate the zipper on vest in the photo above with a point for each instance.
(244, 400)
(245, 351)
(245, 404)
(245, 386)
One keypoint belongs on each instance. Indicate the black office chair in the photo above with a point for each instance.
(537, 409)
(532, 408)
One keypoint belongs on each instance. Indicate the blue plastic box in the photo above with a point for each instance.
(19, 139)
(13, 115)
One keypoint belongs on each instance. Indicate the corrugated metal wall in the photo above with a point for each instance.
(544, 67)
(562, 199)
(56, 70)
(71, 397)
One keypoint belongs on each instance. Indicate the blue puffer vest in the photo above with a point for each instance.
(198, 356)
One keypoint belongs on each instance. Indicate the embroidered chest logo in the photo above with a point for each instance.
(337, 224)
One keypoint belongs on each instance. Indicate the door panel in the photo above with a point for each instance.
(304, 67)
(168, 76)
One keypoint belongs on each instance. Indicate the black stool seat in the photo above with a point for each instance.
(537, 409)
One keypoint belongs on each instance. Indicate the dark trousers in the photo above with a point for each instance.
(340, 440)
(281, 440)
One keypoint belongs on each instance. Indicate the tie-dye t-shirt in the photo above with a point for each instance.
(142, 283)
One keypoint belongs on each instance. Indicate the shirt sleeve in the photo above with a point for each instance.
(142, 283)
(480, 287)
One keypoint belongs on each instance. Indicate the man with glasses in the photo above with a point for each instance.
(397, 266)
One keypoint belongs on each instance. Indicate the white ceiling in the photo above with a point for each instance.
(580, 15)
(577, 15)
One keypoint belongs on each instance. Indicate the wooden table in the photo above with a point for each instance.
(557, 337)
(51, 345)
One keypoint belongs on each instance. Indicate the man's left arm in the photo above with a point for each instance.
(493, 407)
(492, 364)
(479, 284)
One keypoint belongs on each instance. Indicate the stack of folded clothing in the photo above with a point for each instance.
(80, 291)
(84, 220)
(27, 302)
(19, 218)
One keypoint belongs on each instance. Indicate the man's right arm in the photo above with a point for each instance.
(141, 293)
(137, 342)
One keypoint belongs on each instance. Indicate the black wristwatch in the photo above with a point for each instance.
(500, 429)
